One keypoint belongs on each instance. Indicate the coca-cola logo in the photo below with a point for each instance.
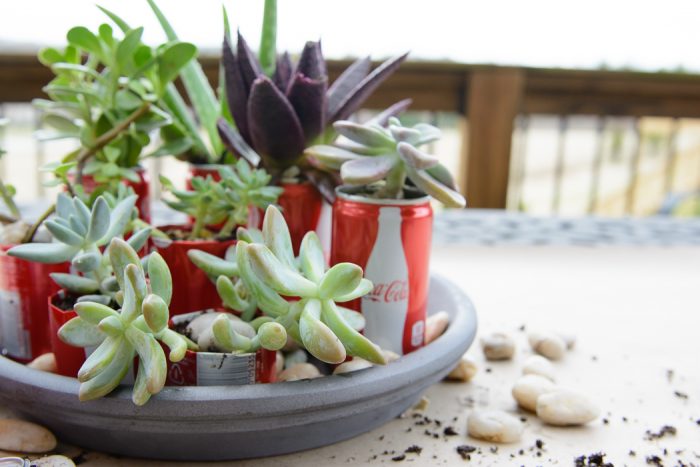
(391, 292)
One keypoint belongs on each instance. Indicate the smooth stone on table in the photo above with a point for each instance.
(494, 426)
(498, 346)
(53, 461)
(538, 365)
(355, 364)
(464, 371)
(22, 436)
(528, 388)
(547, 344)
(564, 407)
(299, 371)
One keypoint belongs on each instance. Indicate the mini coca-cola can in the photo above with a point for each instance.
(390, 240)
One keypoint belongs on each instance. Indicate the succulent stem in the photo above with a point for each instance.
(199, 220)
(395, 182)
(9, 202)
(29, 236)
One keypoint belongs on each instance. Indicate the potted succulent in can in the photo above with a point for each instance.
(24, 285)
(132, 330)
(107, 94)
(382, 221)
(80, 235)
(217, 209)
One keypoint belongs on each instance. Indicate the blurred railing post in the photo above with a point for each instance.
(493, 101)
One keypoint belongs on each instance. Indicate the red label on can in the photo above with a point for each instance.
(391, 242)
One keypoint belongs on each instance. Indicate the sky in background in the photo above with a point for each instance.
(614, 33)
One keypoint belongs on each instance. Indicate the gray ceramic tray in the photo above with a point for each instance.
(220, 423)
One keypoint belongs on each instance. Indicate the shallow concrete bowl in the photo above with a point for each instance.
(237, 422)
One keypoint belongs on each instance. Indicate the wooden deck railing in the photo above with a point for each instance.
(490, 97)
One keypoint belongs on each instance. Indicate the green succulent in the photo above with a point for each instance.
(132, 331)
(227, 201)
(80, 234)
(299, 294)
(386, 158)
(226, 332)
(7, 191)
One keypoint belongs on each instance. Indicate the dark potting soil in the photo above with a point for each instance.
(66, 301)
(183, 234)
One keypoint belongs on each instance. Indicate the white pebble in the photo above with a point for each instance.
(390, 356)
(44, 362)
(279, 363)
(356, 364)
(564, 407)
(22, 436)
(548, 345)
(299, 371)
(494, 426)
(53, 461)
(569, 339)
(538, 365)
(464, 371)
(435, 325)
(529, 388)
(498, 346)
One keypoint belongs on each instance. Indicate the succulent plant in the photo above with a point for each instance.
(81, 233)
(300, 294)
(225, 332)
(109, 102)
(385, 158)
(226, 201)
(7, 193)
(133, 330)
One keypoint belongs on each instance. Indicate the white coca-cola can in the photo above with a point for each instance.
(390, 240)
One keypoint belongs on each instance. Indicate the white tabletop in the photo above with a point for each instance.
(636, 314)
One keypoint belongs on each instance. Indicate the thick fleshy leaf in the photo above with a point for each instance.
(94, 313)
(268, 38)
(99, 221)
(160, 278)
(383, 117)
(120, 256)
(135, 291)
(176, 343)
(318, 339)
(229, 295)
(363, 288)
(268, 300)
(354, 318)
(355, 343)
(139, 238)
(424, 181)
(402, 133)
(235, 142)
(345, 83)
(63, 234)
(47, 253)
(152, 356)
(86, 262)
(111, 326)
(247, 62)
(367, 170)
(365, 134)
(277, 275)
(415, 157)
(275, 130)
(443, 175)
(236, 91)
(311, 259)
(329, 157)
(340, 280)
(99, 359)
(64, 206)
(283, 72)
(311, 63)
(76, 284)
(155, 312)
(272, 336)
(357, 96)
(276, 236)
(79, 333)
(109, 378)
(140, 394)
(119, 218)
(212, 265)
(226, 337)
(308, 97)
(429, 133)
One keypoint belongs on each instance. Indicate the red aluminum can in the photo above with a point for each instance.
(390, 240)
(24, 321)
(220, 369)
(192, 289)
(141, 189)
(69, 359)
(301, 207)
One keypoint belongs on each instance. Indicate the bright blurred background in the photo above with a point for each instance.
(632, 149)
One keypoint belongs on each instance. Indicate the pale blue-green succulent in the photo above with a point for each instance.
(386, 158)
(132, 331)
(80, 235)
(300, 294)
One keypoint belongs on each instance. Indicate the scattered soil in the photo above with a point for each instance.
(449, 431)
(183, 234)
(414, 449)
(680, 395)
(655, 460)
(399, 458)
(465, 450)
(665, 430)
(596, 459)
